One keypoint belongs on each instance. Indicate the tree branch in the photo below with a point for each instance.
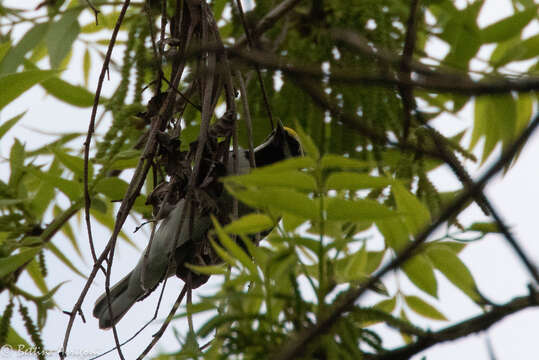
(269, 20)
(429, 81)
(478, 323)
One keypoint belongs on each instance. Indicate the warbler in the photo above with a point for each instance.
(281, 144)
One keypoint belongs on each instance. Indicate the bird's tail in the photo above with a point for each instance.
(121, 300)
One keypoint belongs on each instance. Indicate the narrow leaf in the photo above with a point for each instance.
(423, 308)
(234, 249)
(13, 262)
(208, 269)
(250, 224)
(353, 181)
(307, 143)
(340, 162)
(357, 210)
(60, 37)
(387, 305)
(416, 215)
(34, 271)
(290, 179)
(421, 272)
(86, 65)
(68, 93)
(449, 264)
(8, 124)
(283, 200)
(73, 163)
(114, 188)
(16, 54)
(13, 85)
(508, 27)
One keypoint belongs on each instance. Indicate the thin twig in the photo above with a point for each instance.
(532, 268)
(87, 199)
(94, 9)
(161, 330)
(131, 195)
(408, 101)
(125, 341)
(247, 117)
(251, 44)
(269, 20)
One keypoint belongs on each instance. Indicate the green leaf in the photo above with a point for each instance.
(223, 254)
(423, 308)
(353, 181)
(234, 249)
(508, 27)
(291, 179)
(68, 93)
(45, 193)
(4, 48)
(208, 269)
(218, 7)
(64, 91)
(416, 215)
(495, 119)
(356, 265)
(86, 65)
(34, 271)
(11, 202)
(62, 140)
(13, 85)
(454, 246)
(421, 272)
(73, 163)
(387, 305)
(13, 262)
(291, 222)
(14, 340)
(250, 224)
(124, 160)
(296, 163)
(16, 54)
(67, 230)
(16, 162)
(283, 200)
(112, 187)
(330, 161)
(8, 124)
(307, 143)
(374, 258)
(515, 49)
(449, 264)
(394, 231)
(462, 35)
(485, 227)
(357, 210)
(72, 189)
(61, 35)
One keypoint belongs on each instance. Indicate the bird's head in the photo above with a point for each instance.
(282, 143)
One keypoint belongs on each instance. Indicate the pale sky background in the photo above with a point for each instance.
(496, 269)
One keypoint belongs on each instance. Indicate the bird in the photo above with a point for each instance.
(282, 143)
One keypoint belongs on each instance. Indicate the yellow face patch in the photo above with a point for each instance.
(291, 132)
